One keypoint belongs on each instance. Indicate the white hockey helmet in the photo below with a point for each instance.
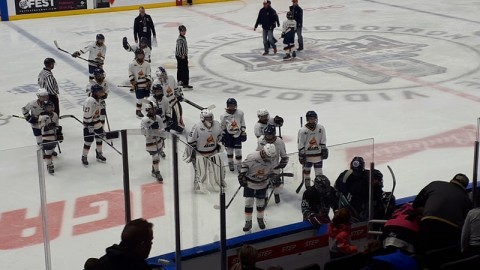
(262, 112)
(148, 106)
(42, 92)
(270, 150)
(206, 115)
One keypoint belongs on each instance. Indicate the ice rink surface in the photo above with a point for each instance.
(403, 75)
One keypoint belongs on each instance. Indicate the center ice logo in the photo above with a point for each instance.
(370, 59)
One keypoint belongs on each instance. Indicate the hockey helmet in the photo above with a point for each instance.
(321, 183)
(100, 37)
(290, 15)
(157, 90)
(143, 40)
(357, 164)
(139, 51)
(231, 101)
(182, 28)
(311, 114)
(262, 112)
(99, 73)
(49, 61)
(269, 130)
(42, 92)
(269, 150)
(97, 90)
(157, 86)
(206, 115)
(48, 106)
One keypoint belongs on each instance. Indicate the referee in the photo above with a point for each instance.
(47, 81)
(181, 53)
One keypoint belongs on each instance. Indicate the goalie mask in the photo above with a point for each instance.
(206, 116)
(263, 116)
(161, 74)
(357, 164)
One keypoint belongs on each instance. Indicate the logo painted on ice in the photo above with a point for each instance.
(369, 59)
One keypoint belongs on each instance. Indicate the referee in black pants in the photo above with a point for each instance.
(181, 53)
(47, 81)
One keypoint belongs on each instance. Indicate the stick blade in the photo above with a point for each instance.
(216, 206)
(56, 44)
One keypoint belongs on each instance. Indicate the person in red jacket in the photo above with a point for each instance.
(401, 231)
(339, 235)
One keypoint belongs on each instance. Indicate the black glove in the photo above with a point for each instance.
(76, 54)
(324, 153)
(283, 35)
(243, 137)
(125, 43)
(242, 180)
(154, 125)
(158, 111)
(277, 120)
(50, 126)
(275, 180)
(301, 158)
(31, 119)
(59, 134)
(169, 121)
(283, 164)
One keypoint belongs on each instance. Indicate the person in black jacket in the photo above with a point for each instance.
(317, 201)
(444, 206)
(143, 27)
(130, 254)
(298, 17)
(267, 17)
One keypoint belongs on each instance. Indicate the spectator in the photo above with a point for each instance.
(401, 231)
(298, 17)
(143, 27)
(181, 53)
(247, 257)
(339, 235)
(444, 207)
(130, 254)
(470, 241)
(318, 200)
(267, 17)
(47, 81)
(353, 185)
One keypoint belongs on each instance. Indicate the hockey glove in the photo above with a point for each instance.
(126, 46)
(90, 127)
(59, 134)
(324, 153)
(275, 180)
(76, 54)
(169, 121)
(277, 120)
(31, 119)
(283, 35)
(159, 111)
(50, 126)
(283, 163)
(243, 137)
(102, 103)
(242, 180)
(154, 125)
(301, 158)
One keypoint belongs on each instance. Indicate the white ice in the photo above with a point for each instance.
(408, 79)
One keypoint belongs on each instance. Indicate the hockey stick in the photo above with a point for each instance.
(303, 177)
(108, 123)
(211, 107)
(79, 57)
(393, 189)
(18, 116)
(107, 134)
(269, 196)
(126, 86)
(216, 206)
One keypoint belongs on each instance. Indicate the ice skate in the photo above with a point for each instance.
(162, 154)
(54, 153)
(50, 169)
(248, 226)
(231, 166)
(100, 157)
(277, 198)
(158, 176)
(287, 57)
(294, 54)
(261, 223)
(139, 113)
(84, 161)
(275, 50)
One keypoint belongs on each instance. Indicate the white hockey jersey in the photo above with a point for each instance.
(260, 127)
(91, 112)
(169, 88)
(205, 140)
(146, 50)
(233, 123)
(281, 152)
(311, 141)
(34, 109)
(44, 120)
(257, 170)
(163, 105)
(140, 73)
(154, 136)
(289, 25)
(96, 53)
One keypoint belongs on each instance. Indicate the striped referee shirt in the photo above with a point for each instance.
(47, 81)
(181, 50)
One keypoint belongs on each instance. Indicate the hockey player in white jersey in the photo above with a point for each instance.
(289, 28)
(92, 127)
(153, 128)
(51, 133)
(161, 107)
(256, 172)
(140, 79)
(204, 139)
(233, 126)
(32, 111)
(281, 158)
(312, 147)
(96, 54)
(99, 78)
(174, 94)
(264, 120)
(143, 44)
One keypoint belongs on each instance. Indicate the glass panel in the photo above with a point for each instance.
(20, 218)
